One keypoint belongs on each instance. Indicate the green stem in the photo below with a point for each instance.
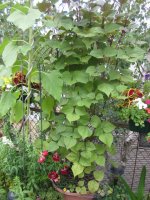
(29, 77)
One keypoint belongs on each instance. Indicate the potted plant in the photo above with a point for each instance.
(79, 64)
(136, 111)
(84, 85)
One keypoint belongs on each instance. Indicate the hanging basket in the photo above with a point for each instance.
(139, 129)
(73, 196)
(142, 132)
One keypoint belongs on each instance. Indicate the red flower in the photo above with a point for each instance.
(19, 78)
(147, 110)
(147, 101)
(64, 171)
(56, 157)
(45, 153)
(136, 93)
(41, 159)
(139, 93)
(131, 92)
(53, 176)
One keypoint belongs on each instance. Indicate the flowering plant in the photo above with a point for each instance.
(136, 109)
(54, 165)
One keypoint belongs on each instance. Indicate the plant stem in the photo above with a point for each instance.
(29, 77)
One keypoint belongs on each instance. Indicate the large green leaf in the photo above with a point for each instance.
(95, 121)
(80, 76)
(107, 126)
(45, 125)
(72, 117)
(110, 52)
(88, 32)
(100, 160)
(112, 27)
(84, 131)
(95, 71)
(77, 169)
(47, 105)
(52, 83)
(106, 138)
(114, 75)
(73, 157)
(9, 54)
(52, 146)
(93, 186)
(99, 175)
(86, 154)
(84, 162)
(24, 21)
(97, 53)
(106, 88)
(17, 112)
(70, 142)
(7, 101)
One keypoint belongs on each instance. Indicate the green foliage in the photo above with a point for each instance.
(139, 194)
(22, 20)
(17, 190)
(85, 62)
(50, 194)
(135, 114)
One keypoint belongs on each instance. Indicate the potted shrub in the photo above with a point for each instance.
(82, 66)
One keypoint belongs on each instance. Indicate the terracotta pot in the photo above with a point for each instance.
(74, 196)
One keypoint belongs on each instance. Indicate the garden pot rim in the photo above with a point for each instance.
(90, 195)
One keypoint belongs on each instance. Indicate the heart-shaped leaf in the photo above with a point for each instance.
(24, 21)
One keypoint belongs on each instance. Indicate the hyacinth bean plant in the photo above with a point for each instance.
(81, 64)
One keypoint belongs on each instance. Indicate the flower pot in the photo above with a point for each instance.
(139, 129)
(74, 196)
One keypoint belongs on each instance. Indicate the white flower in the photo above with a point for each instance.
(5, 140)
(139, 103)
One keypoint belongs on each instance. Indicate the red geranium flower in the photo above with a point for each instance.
(56, 157)
(41, 159)
(53, 176)
(64, 171)
(45, 153)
